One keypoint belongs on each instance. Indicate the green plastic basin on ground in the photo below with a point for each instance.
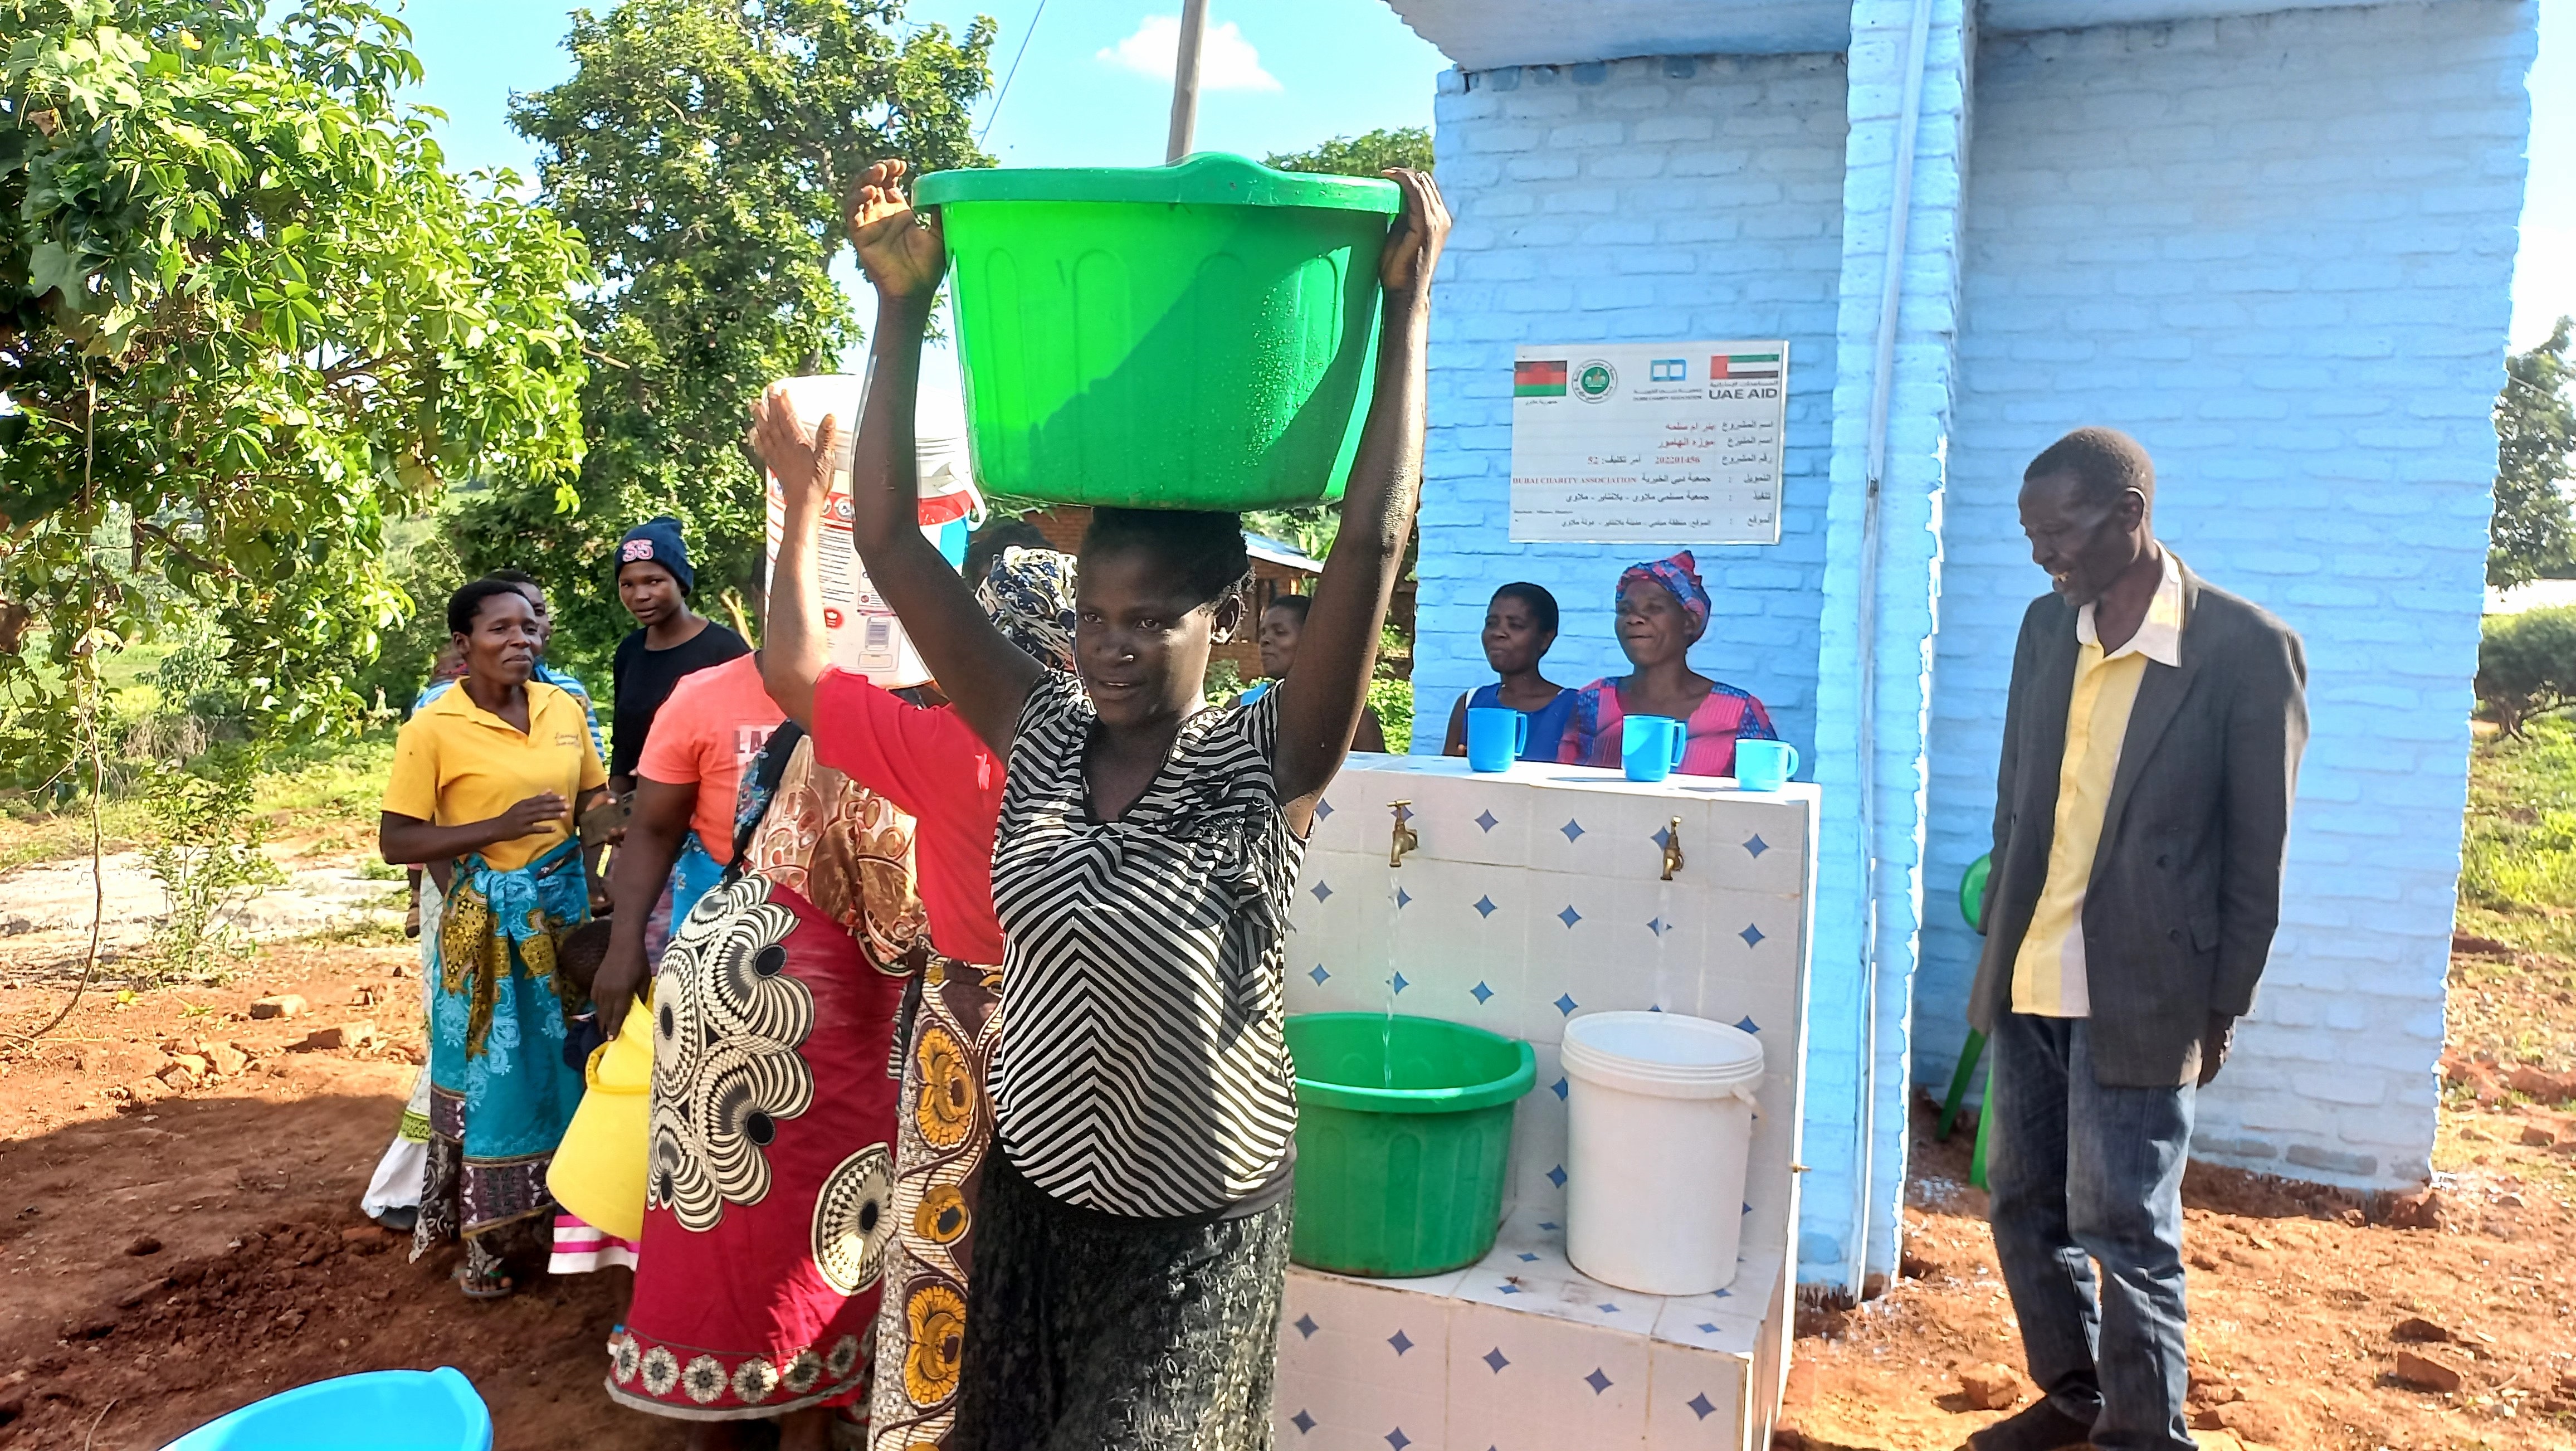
(1400, 1173)
(1195, 336)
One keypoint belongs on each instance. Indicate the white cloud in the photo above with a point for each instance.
(1227, 61)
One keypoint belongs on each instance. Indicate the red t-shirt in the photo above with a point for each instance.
(933, 766)
(711, 728)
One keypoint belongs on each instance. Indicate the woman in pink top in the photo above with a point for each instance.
(1663, 610)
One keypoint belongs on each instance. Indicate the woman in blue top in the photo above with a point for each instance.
(1520, 625)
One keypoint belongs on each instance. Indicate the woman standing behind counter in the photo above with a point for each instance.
(1134, 1234)
(1520, 625)
(1663, 610)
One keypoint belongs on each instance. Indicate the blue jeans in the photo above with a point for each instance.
(2081, 1173)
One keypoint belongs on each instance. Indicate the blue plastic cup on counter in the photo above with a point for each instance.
(1496, 736)
(1764, 765)
(1650, 746)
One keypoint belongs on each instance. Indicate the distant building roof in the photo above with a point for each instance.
(1285, 555)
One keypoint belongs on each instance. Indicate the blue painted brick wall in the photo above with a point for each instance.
(1672, 198)
(2278, 250)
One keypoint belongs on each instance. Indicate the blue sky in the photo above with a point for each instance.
(1286, 74)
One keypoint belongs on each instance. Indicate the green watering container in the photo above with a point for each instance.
(1400, 1173)
(1194, 336)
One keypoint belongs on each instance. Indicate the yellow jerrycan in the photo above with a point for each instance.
(598, 1170)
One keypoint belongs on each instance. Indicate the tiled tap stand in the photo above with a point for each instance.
(1535, 896)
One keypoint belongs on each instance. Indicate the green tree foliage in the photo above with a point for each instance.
(246, 316)
(2527, 665)
(2532, 534)
(703, 148)
(1366, 155)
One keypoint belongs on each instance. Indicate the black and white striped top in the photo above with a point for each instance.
(1142, 1068)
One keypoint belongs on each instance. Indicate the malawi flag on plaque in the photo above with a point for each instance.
(1539, 379)
(1735, 367)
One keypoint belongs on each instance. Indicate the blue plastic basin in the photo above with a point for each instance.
(382, 1410)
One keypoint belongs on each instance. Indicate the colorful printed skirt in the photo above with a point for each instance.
(767, 1205)
(500, 1093)
(942, 1139)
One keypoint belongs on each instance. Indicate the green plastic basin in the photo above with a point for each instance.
(1403, 1129)
(1195, 336)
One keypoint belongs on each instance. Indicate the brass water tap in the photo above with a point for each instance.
(1672, 848)
(1405, 837)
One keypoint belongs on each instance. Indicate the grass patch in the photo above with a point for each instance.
(2518, 887)
(324, 794)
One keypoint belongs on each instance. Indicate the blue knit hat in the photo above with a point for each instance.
(658, 540)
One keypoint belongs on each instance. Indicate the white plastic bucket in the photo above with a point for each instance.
(1661, 1123)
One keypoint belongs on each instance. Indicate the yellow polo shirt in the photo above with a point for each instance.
(456, 762)
(2048, 973)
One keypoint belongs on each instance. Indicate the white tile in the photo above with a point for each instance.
(1485, 819)
(1769, 1183)
(1367, 1334)
(1722, 1324)
(1569, 933)
(1755, 950)
(1537, 1184)
(1755, 844)
(1325, 1413)
(1570, 831)
(1459, 934)
(1697, 1402)
(1528, 1381)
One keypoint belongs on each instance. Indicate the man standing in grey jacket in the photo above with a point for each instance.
(2151, 749)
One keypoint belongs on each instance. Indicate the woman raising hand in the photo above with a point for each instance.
(1134, 1231)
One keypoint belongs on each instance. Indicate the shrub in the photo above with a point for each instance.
(2527, 665)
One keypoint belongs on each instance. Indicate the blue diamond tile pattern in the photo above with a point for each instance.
(1306, 1327)
(1607, 1308)
(1754, 845)
(1323, 891)
(1572, 830)
(1700, 1407)
(1748, 1209)
(1403, 899)
(1597, 1381)
(1707, 1327)
(1565, 1005)
(1569, 916)
(1663, 836)
(1496, 1359)
(1482, 994)
(1658, 926)
(1303, 1422)
(1751, 934)
(1558, 1088)
(1550, 1228)
(1725, 1295)
(1508, 1288)
(1527, 1258)
(1323, 809)
(1556, 1176)
(1397, 1439)
(1401, 1341)
(1485, 907)
(1319, 975)
(1654, 1007)
(1747, 1024)
(1400, 983)
(1487, 820)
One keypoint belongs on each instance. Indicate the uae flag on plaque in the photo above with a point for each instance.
(1739, 367)
(1538, 379)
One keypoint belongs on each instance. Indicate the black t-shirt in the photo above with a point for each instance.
(644, 680)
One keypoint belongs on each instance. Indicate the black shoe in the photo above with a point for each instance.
(400, 1220)
(2043, 1427)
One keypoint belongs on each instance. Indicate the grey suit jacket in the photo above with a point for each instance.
(2186, 885)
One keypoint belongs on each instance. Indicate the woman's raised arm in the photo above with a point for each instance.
(987, 676)
(1320, 700)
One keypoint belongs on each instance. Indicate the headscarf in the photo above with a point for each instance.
(1679, 574)
(658, 540)
(1029, 595)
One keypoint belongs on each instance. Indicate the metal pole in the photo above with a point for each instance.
(1185, 81)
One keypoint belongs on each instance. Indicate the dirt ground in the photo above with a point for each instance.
(177, 1244)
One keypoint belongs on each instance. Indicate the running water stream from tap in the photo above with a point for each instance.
(1402, 840)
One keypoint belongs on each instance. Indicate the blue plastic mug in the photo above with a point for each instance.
(1764, 765)
(1496, 736)
(1650, 746)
